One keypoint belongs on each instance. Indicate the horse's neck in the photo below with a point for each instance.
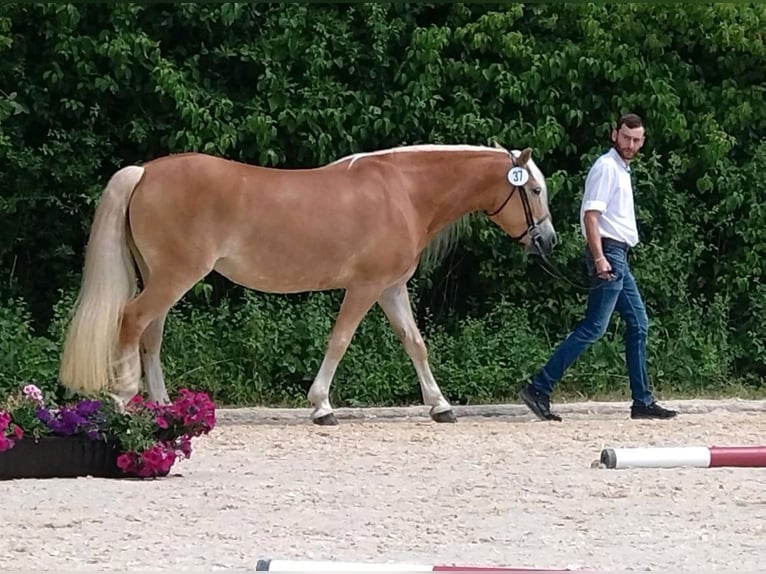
(444, 191)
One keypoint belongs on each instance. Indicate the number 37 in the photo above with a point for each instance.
(518, 176)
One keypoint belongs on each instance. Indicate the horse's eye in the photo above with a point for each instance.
(537, 190)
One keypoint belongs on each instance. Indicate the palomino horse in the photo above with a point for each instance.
(359, 224)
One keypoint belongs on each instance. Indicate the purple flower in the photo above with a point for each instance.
(68, 423)
(87, 408)
(84, 417)
(44, 415)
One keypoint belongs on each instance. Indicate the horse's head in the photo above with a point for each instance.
(520, 205)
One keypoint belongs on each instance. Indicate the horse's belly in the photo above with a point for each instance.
(285, 276)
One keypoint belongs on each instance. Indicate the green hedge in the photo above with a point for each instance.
(88, 88)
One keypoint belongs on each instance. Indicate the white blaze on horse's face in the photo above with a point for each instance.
(525, 216)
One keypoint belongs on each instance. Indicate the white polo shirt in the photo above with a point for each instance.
(608, 189)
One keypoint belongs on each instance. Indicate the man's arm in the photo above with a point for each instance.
(593, 235)
(599, 186)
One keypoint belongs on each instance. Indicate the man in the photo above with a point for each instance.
(608, 222)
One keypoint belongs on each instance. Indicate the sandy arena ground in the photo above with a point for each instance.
(492, 491)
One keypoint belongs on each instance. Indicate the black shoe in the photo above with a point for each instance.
(539, 403)
(653, 411)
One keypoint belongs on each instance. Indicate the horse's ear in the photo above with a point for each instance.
(525, 155)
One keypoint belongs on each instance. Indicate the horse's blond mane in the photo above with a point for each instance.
(353, 158)
(444, 242)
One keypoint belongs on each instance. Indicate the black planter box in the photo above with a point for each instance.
(60, 457)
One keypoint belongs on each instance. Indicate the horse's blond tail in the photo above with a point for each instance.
(108, 282)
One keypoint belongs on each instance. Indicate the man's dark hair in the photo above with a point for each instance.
(631, 121)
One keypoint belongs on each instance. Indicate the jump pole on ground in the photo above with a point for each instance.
(690, 456)
(269, 565)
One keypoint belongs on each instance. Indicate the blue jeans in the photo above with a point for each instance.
(620, 293)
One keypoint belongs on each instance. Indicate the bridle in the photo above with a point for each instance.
(532, 225)
(533, 231)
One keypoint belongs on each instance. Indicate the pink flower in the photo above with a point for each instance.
(135, 403)
(185, 446)
(125, 461)
(156, 460)
(33, 392)
(152, 456)
(174, 425)
(161, 422)
(194, 411)
(7, 442)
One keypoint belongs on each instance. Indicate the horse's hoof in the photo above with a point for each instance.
(444, 417)
(326, 420)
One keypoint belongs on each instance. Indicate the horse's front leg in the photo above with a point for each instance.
(356, 303)
(395, 302)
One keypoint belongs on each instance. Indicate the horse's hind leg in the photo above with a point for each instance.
(151, 342)
(355, 305)
(160, 293)
(395, 303)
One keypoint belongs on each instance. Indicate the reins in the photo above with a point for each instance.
(547, 266)
(534, 235)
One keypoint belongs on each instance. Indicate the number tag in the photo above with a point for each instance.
(518, 176)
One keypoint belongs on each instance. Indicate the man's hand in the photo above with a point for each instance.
(603, 269)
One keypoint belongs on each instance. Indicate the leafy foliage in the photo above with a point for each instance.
(88, 88)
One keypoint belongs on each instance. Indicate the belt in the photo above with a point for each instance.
(614, 243)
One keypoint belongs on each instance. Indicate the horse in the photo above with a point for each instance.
(359, 224)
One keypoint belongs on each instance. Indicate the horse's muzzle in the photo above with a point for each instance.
(542, 240)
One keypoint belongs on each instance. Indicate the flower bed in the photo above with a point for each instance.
(143, 441)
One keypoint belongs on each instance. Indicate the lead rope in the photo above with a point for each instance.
(554, 272)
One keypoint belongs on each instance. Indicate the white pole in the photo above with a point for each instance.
(661, 457)
(327, 566)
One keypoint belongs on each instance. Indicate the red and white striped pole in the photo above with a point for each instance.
(327, 566)
(693, 456)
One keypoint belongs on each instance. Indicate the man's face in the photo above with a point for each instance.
(627, 141)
